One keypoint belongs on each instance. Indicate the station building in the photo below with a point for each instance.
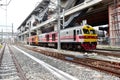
(97, 12)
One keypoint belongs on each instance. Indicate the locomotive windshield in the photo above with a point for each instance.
(92, 32)
(86, 31)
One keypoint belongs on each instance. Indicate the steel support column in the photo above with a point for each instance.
(58, 27)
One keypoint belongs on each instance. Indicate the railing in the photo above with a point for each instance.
(41, 14)
(70, 19)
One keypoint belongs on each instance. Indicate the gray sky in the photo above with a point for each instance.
(17, 11)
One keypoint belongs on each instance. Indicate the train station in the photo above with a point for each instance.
(64, 40)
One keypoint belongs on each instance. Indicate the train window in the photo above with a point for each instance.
(86, 31)
(32, 39)
(66, 32)
(92, 32)
(77, 31)
(80, 31)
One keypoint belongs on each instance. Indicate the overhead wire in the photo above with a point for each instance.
(8, 2)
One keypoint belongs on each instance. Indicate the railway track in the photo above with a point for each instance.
(115, 53)
(110, 67)
(109, 50)
(1, 53)
(9, 67)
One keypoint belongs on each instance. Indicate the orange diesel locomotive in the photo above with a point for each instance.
(80, 37)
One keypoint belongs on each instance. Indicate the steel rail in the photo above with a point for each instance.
(21, 74)
(2, 53)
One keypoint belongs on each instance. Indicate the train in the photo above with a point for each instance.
(79, 37)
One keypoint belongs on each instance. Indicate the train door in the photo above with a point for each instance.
(53, 37)
(36, 40)
(47, 37)
(74, 35)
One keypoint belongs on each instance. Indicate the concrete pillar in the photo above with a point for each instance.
(25, 38)
(22, 38)
(19, 38)
(114, 24)
(55, 27)
(38, 32)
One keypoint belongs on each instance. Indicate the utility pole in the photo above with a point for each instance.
(2, 35)
(6, 20)
(29, 32)
(58, 26)
(12, 30)
(63, 17)
(12, 34)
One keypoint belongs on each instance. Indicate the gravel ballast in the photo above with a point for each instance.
(36, 72)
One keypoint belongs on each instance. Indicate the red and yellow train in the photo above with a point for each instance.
(80, 37)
